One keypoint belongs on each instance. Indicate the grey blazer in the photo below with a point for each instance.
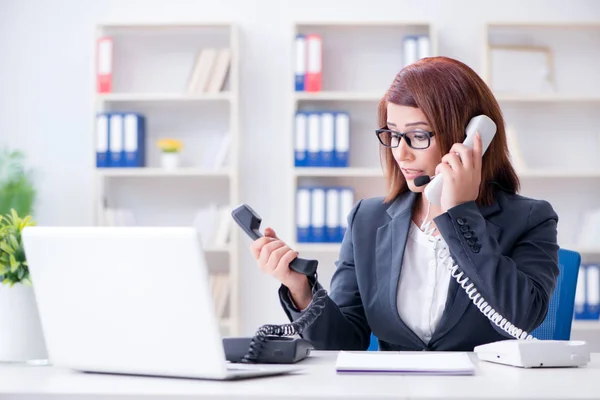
(509, 251)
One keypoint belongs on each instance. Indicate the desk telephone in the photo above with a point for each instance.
(268, 345)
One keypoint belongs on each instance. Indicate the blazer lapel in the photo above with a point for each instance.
(391, 241)
(458, 300)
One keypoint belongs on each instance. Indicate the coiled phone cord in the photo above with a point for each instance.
(468, 286)
(294, 328)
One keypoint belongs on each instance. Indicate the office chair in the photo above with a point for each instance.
(557, 324)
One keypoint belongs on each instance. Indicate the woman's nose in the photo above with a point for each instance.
(403, 151)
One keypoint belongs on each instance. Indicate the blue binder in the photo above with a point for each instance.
(303, 214)
(301, 139)
(102, 141)
(342, 139)
(134, 144)
(116, 142)
(300, 62)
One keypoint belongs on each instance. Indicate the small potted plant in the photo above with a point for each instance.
(21, 336)
(170, 149)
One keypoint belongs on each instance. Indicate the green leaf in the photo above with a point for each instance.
(14, 214)
(3, 270)
(21, 274)
(13, 241)
(5, 281)
(5, 247)
(25, 222)
(13, 263)
(26, 282)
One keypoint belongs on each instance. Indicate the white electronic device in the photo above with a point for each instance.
(535, 353)
(130, 300)
(487, 129)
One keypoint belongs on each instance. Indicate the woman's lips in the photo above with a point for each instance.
(411, 173)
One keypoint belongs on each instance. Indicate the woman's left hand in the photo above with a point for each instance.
(461, 169)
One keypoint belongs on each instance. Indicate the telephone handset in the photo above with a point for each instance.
(250, 221)
(269, 344)
(487, 129)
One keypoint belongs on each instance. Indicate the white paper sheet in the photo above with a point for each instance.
(430, 363)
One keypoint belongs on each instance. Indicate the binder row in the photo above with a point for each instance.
(587, 294)
(415, 48)
(120, 140)
(321, 213)
(308, 63)
(322, 139)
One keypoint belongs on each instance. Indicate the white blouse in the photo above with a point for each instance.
(423, 286)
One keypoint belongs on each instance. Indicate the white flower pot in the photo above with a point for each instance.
(170, 160)
(21, 336)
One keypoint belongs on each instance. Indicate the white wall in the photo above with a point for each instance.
(46, 87)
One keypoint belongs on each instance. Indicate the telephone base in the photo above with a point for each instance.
(535, 353)
(276, 350)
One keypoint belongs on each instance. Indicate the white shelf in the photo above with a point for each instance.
(555, 173)
(317, 247)
(585, 325)
(170, 50)
(217, 249)
(338, 172)
(161, 172)
(164, 97)
(338, 96)
(544, 24)
(163, 25)
(547, 98)
(591, 251)
(362, 23)
(584, 251)
(376, 172)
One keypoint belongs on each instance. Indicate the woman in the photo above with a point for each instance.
(390, 278)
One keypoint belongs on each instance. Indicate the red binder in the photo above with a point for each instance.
(314, 46)
(105, 65)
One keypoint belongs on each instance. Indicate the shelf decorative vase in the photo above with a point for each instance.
(170, 160)
(170, 150)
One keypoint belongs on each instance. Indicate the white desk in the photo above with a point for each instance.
(318, 381)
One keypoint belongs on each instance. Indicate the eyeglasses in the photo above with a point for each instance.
(416, 139)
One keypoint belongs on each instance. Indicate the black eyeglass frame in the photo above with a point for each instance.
(402, 135)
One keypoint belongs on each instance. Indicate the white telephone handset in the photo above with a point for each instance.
(524, 350)
(487, 129)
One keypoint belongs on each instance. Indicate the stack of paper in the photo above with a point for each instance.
(430, 363)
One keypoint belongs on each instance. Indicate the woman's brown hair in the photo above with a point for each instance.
(449, 93)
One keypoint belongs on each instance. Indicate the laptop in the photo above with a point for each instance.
(130, 300)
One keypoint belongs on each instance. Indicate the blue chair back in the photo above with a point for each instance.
(557, 325)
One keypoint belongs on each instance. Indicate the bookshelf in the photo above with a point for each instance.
(153, 69)
(544, 79)
(352, 82)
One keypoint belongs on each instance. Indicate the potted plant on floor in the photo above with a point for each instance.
(21, 337)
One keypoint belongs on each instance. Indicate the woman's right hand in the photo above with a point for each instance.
(273, 257)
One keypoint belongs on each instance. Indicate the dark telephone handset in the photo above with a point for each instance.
(249, 221)
(272, 343)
